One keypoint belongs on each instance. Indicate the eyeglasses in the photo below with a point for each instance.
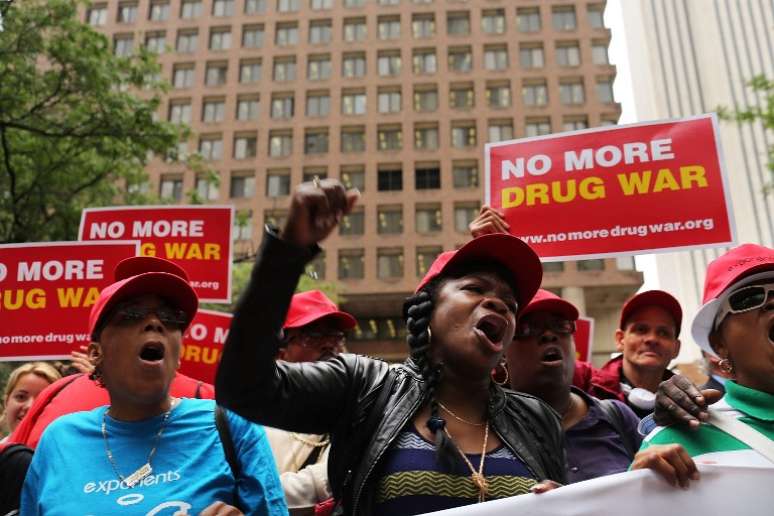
(743, 300)
(127, 315)
(532, 329)
(316, 339)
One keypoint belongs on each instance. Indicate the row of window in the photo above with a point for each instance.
(423, 25)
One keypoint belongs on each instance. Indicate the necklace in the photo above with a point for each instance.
(314, 444)
(146, 469)
(458, 418)
(478, 478)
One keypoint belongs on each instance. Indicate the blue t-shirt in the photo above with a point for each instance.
(70, 473)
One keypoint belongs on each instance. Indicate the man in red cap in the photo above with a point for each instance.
(314, 330)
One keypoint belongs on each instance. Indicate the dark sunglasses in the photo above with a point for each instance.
(743, 300)
(127, 315)
(531, 329)
(312, 339)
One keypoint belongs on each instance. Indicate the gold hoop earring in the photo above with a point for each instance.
(726, 366)
(429, 335)
(495, 374)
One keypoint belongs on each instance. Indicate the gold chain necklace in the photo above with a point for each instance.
(478, 478)
(314, 444)
(458, 418)
(146, 469)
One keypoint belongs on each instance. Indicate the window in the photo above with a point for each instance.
(624, 263)
(252, 36)
(282, 105)
(316, 141)
(534, 94)
(389, 178)
(354, 29)
(127, 12)
(553, 266)
(458, 23)
(123, 45)
(389, 137)
(528, 19)
(388, 27)
(159, 10)
(389, 263)
(425, 258)
(190, 9)
(310, 172)
(495, 58)
(318, 5)
(428, 219)
(179, 111)
(277, 183)
(213, 110)
(353, 139)
(563, 17)
(242, 185)
(353, 176)
(353, 223)
(498, 96)
(390, 220)
(354, 3)
(575, 123)
(245, 146)
(608, 121)
(596, 18)
(318, 104)
(605, 90)
(500, 130)
(464, 213)
(353, 102)
(531, 55)
(388, 63)
(183, 75)
(96, 16)
(288, 6)
(380, 328)
(286, 34)
(463, 135)
(284, 68)
(425, 99)
(389, 2)
(318, 67)
(243, 226)
(461, 96)
(460, 59)
(187, 41)
(155, 42)
(223, 7)
(220, 39)
(351, 263)
(354, 65)
(599, 52)
(568, 54)
(426, 137)
(389, 100)
(493, 21)
(591, 265)
(216, 74)
(538, 127)
(249, 71)
(180, 152)
(247, 108)
(320, 32)
(206, 189)
(465, 174)
(571, 92)
(280, 144)
(423, 26)
(211, 147)
(171, 187)
(255, 6)
(427, 176)
(424, 61)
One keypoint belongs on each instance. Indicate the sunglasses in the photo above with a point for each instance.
(531, 329)
(743, 300)
(127, 315)
(315, 339)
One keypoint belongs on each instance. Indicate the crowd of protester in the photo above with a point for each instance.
(491, 402)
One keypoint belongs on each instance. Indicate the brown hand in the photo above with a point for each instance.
(316, 210)
(671, 461)
(488, 221)
(221, 509)
(679, 401)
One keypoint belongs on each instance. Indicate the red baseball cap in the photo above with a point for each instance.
(740, 266)
(141, 275)
(545, 301)
(312, 306)
(512, 253)
(658, 298)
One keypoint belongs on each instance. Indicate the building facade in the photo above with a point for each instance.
(394, 97)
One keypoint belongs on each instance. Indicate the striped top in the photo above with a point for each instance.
(411, 481)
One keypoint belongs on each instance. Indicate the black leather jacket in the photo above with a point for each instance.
(337, 396)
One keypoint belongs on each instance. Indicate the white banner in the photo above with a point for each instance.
(722, 490)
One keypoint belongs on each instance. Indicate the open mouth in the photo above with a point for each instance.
(552, 355)
(152, 352)
(493, 327)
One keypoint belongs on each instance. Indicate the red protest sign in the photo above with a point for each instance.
(46, 293)
(657, 186)
(203, 344)
(584, 335)
(198, 238)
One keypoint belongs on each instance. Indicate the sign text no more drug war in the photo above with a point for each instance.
(198, 238)
(647, 187)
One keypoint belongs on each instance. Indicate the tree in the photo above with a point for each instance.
(76, 121)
